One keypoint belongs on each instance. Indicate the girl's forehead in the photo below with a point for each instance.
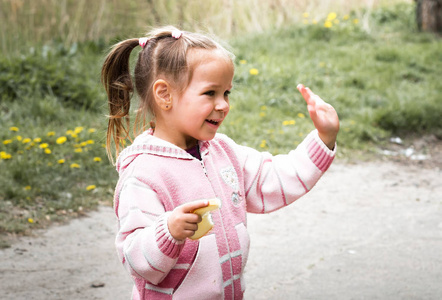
(196, 57)
(209, 67)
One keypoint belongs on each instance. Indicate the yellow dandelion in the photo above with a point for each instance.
(97, 159)
(306, 15)
(83, 144)
(288, 122)
(328, 24)
(51, 133)
(78, 129)
(75, 166)
(322, 64)
(61, 140)
(314, 21)
(355, 21)
(19, 137)
(26, 140)
(5, 142)
(346, 17)
(43, 146)
(20, 152)
(92, 130)
(50, 164)
(331, 16)
(263, 144)
(37, 140)
(91, 187)
(254, 71)
(48, 151)
(61, 161)
(70, 132)
(13, 128)
(301, 115)
(262, 114)
(5, 155)
(90, 142)
(78, 150)
(264, 107)
(30, 220)
(28, 187)
(243, 61)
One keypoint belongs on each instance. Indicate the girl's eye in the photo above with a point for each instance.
(226, 93)
(210, 93)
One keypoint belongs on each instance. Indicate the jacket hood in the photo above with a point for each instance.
(146, 143)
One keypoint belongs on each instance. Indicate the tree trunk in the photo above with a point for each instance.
(429, 15)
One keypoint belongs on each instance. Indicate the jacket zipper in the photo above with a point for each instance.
(204, 168)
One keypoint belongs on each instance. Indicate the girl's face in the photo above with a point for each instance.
(199, 110)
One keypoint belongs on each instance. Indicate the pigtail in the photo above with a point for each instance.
(116, 78)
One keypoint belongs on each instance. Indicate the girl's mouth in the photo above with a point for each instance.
(213, 122)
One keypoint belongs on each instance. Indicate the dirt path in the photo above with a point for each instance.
(366, 231)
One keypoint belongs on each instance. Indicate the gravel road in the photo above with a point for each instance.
(367, 231)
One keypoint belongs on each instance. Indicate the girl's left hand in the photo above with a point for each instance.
(323, 115)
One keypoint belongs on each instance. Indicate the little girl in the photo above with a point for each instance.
(183, 81)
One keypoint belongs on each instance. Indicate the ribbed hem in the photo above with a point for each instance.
(165, 241)
(318, 152)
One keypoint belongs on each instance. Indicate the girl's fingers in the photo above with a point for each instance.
(191, 206)
(191, 226)
(304, 92)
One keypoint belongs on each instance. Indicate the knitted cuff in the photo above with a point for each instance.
(318, 152)
(165, 241)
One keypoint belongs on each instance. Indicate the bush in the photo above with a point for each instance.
(51, 71)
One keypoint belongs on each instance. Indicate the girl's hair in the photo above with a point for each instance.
(163, 55)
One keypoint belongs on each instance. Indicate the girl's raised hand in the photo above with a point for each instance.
(182, 222)
(323, 115)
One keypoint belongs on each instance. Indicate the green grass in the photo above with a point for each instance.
(381, 83)
(381, 75)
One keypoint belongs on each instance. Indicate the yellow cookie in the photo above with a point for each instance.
(206, 224)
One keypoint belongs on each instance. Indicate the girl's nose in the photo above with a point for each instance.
(222, 105)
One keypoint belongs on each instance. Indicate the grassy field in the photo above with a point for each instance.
(381, 75)
(34, 22)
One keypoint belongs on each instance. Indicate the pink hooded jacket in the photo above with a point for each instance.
(156, 176)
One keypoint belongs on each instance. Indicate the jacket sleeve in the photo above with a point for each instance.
(144, 243)
(272, 182)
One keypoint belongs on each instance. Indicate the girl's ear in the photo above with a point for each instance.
(163, 94)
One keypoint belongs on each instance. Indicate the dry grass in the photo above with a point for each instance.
(33, 22)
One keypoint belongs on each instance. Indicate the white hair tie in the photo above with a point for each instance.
(143, 41)
(177, 34)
